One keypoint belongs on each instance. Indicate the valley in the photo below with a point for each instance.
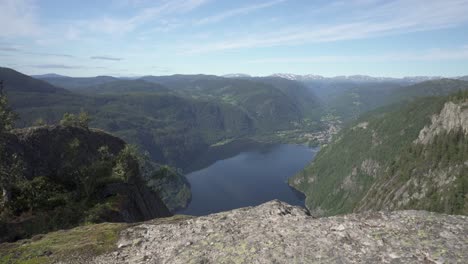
(198, 145)
(234, 132)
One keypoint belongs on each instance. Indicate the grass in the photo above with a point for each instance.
(84, 242)
(81, 243)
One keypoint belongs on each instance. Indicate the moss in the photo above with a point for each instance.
(85, 242)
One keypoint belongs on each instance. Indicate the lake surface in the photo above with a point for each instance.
(248, 179)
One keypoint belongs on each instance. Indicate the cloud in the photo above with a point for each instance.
(113, 25)
(237, 12)
(18, 18)
(459, 53)
(9, 48)
(106, 58)
(372, 20)
(64, 66)
(56, 66)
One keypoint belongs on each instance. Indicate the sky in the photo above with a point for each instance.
(257, 37)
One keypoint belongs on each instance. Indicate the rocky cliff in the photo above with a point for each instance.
(273, 232)
(407, 156)
(454, 116)
(71, 175)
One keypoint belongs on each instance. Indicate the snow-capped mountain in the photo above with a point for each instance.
(236, 75)
(357, 78)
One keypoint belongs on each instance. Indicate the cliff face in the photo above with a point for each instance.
(72, 175)
(276, 232)
(411, 156)
(45, 149)
(454, 116)
(434, 175)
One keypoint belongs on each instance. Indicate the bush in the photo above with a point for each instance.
(80, 120)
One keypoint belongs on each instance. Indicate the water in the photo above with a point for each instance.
(248, 179)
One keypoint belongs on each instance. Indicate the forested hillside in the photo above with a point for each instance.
(348, 100)
(406, 156)
(173, 118)
(56, 177)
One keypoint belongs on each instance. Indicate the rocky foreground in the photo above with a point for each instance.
(276, 232)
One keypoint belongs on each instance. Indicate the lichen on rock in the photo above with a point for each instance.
(276, 232)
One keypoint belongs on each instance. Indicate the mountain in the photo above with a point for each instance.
(74, 83)
(236, 75)
(179, 80)
(69, 176)
(124, 86)
(177, 118)
(309, 104)
(406, 156)
(16, 82)
(273, 103)
(356, 78)
(48, 75)
(273, 232)
(347, 100)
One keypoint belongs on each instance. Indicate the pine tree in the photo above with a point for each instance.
(10, 167)
(7, 116)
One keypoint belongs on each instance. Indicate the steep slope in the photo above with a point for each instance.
(69, 176)
(432, 174)
(77, 83)
(124, 86)
(33, 99)
(269, 107)
(273, 232)
(430, 88)
(173, 129)
(176, 118)
(308, 102)
(379, 163)
(18, 82)
(348, 100)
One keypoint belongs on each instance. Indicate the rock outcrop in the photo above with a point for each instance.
(452, 117)
(64, 158)
(276, 232)
(43, 150)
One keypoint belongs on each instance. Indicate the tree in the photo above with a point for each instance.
(7, 116)
(68, 120)
(83, 119)
(80, 120)
(10, 165)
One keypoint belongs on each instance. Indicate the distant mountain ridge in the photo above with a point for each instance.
(290, 76)
(174, 118)
(361, 78)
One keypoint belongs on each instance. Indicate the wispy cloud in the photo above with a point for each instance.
(106, 58)
(113, 25)
(459, 53)
(237, 12)
(64, 66)
(18, 18)
(56, 66)
(8, 49)
(396, 17)
(13, 49)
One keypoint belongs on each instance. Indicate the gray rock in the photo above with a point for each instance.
(276, 232)
(452, 117)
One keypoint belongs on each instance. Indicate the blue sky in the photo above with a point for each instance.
(258, 37)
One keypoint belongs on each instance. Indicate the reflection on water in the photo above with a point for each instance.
(247, 179)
